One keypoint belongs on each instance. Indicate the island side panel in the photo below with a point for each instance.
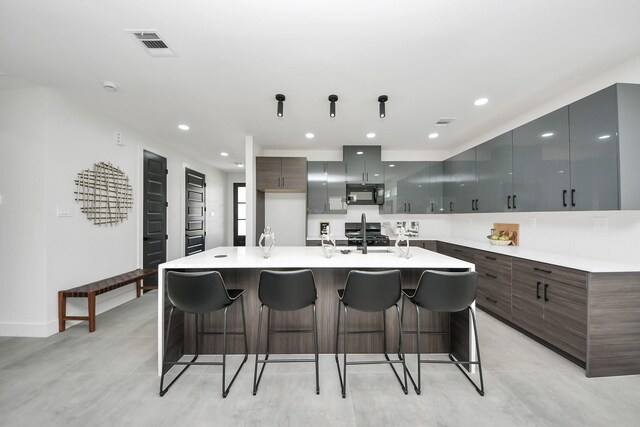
(327, 283)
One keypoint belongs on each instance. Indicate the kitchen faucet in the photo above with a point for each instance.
(364, 233)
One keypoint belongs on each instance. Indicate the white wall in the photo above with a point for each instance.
(23, 237)
(51, 138)
(285, 213)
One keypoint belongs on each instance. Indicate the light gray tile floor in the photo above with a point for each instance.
(108, 378)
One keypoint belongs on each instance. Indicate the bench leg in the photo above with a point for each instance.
(62, 311)
(92, 311)
(138, 288)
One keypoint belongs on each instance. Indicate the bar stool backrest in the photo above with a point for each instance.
(287, 290)
(372, 290)
(446, 291)
(201, 292)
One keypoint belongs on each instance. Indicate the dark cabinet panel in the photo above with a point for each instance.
(551, 302)
(281, 174)
(593, 129)
(494, 173)
(326, 188)
(494, 283)
(541, 163)
(460, 182)
(435, 193)
(364, 163)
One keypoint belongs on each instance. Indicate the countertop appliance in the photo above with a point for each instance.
(353, 231)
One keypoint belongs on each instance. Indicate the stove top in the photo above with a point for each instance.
(353, 231)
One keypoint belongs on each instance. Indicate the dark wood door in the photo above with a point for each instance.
(294, 174)
(195, 212)
(526, 299)
(268, 173)
(154, 217)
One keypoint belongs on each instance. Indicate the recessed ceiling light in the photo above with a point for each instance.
(183, 127)
(360, 152)
(604, 137)
(371, 135)
(547, 134)
(480, 101)
(433, 135)
(309, 135)
(392, 166)
(240, 165)
(224, 154)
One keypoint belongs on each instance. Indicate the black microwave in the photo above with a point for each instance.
(365, 194)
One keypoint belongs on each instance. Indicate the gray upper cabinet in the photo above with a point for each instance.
(435, 192)
(326, 188)
(460, 182)
(593, 129)
(494, 175)
(541, 164)
(364, 163)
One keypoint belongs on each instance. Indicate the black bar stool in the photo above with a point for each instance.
(200, 293)
(370, 291)
(285, 291)
(445, 292)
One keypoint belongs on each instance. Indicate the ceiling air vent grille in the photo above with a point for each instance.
(152, 43)
(445, 121)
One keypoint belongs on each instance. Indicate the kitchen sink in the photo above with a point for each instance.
(378, 251)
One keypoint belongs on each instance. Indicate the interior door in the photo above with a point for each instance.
(154, 217)
(195, 212)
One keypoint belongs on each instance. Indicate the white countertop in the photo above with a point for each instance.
(312, 257)
(585, 264)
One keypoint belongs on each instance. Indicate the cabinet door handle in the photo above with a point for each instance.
(508, 202)
(367, 174)
(573, 194)
(457, 250)
(283, 181)
(473, 201)
(493, 300)
(431, 206)
(542, 270)
(491, 258)
(450, 206)
(409, 206)
(490, 275)
(546, 286)
(564, 198)
(514, 201)
(538, 290)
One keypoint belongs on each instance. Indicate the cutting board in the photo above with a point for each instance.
(510, 230)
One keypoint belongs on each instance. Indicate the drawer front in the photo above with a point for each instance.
(493, 261)
(564, 275)
(455, 251)
(494, 294)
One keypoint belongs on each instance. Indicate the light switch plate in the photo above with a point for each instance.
(64, 210)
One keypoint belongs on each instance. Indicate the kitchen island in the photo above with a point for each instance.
(240, 268)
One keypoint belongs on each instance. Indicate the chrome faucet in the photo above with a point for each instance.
(364, 233)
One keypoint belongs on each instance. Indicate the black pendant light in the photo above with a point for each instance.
(332, 106)
(382, 99)
(280, 98)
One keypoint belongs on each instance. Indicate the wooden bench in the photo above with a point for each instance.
(91, 290)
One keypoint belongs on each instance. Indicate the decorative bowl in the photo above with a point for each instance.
(500, 242)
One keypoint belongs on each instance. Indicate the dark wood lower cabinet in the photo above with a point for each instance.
(551, 303)
(591, 318)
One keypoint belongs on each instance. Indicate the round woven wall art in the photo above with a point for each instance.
(104, 194)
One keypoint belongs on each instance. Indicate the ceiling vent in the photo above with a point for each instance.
(445, 121)
(152, 43)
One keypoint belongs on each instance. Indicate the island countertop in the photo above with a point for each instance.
(313, 257)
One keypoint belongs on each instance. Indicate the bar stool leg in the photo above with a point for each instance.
(224, 353)
(404, 363)
(255, 371)
(344, 325)
(418, 389)
(315, 342)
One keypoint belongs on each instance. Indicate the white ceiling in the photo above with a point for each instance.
(432, 58)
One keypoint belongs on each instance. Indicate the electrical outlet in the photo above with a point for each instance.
(600, 223)
(533, 222)
(119, 140)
